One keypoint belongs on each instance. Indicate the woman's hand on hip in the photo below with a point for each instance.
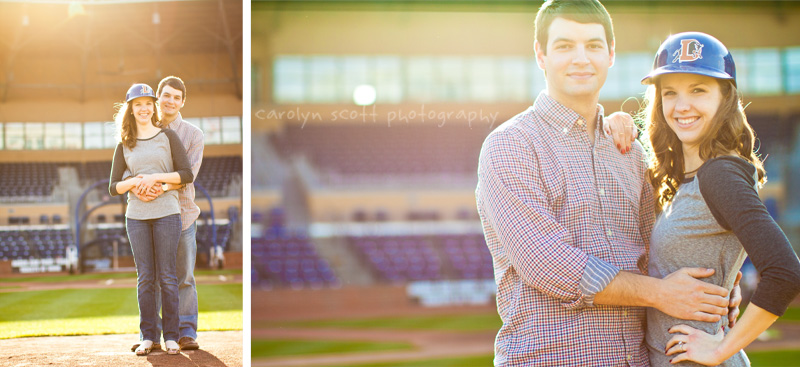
(690, 344)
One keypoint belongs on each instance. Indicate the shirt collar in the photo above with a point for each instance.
(561, 117)
(177, 123)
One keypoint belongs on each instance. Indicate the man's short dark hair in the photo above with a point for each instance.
(581, 11)
(174, 82)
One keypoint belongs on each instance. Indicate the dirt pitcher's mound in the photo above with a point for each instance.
(217, 349)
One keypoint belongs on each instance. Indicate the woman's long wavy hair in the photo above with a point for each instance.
(728, 132)
(126, 123)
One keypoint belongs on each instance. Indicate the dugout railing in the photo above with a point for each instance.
(74, 252)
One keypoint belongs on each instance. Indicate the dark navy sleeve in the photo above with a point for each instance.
(118, 167)
(728, 187)
(180, 160)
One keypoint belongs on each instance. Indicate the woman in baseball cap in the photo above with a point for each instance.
(706, 176)
(145, 155)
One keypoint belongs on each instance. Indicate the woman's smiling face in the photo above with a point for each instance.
(689, 103)
(143, 109)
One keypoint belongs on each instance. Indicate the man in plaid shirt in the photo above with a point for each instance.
(567, 218)
(171, 99)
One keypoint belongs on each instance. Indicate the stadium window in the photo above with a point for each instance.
(355, 72)
(255, 85)
(740, 57)
(93, 135)
(34, 135)
(231, 130)
(211, 130)
(536, 79)
(511, 83)
(54, 135)
(288, 79)
(791, 57)
(614, 87)
(388, 79)
(420, 79)
(624, 77)
(323, 74)
(15, 136)
(482, 75)
(638, 65)
(452, 83)
(765, 71)
(110, 134)
(73, 135)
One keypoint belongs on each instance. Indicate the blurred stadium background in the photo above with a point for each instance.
(368, 118)
(64, 65)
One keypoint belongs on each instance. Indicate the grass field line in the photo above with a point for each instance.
(101, 325)
(422, 351)
(428, 344)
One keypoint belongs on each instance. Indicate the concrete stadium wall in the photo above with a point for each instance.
(221, 206)
(33, 211)
(265, 199)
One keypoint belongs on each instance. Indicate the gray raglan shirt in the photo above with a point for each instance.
(162, 153)
(714, 221)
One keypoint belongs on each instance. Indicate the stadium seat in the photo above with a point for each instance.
(417, 258)
(290, 261)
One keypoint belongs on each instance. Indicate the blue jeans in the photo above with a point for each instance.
(155, 247)
(187, 289)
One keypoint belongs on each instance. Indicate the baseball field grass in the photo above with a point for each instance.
(261, 349)
(276, 348)
(469, 322)
(791, 315)
(480, 361)
(459, 323)
(104, 310)
(775, 358)
(781, 358)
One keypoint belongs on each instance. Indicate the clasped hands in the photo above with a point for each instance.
(146, 188)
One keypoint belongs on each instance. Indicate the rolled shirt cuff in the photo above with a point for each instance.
(596, 276)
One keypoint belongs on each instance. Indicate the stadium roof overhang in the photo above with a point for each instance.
(114, 29)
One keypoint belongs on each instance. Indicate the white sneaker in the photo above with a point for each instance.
(172, 347)
(144, 348)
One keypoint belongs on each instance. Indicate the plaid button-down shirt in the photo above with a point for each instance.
(561, 217)
(192, 138)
